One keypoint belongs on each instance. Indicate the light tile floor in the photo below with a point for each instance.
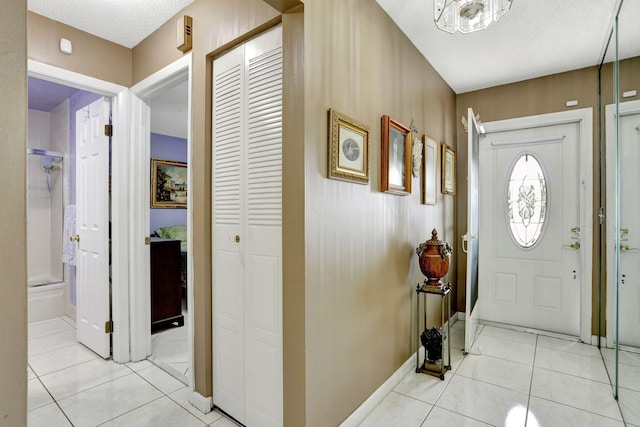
(517, 379)
(69, 385)
(170, 351)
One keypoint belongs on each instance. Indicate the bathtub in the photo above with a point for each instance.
(46, 301)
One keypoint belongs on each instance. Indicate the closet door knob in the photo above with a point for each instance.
(75, 238)
(237, 239)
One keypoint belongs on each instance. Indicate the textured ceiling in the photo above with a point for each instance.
(125, 22)
(535, 38)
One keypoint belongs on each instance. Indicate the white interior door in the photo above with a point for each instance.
(92, 199)
(623, 268)
(470, 239)
(535, 219)
(247, 231)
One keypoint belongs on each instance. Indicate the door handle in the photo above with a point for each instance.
(237, 238)
(465, 241)
(573, 245)
(625, 248)
(75, 238)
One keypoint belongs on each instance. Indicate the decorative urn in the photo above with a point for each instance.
(433, 256)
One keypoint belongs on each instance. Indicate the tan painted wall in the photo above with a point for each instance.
(217, 24)
(92, 56)
(293, 230)
(532, 97)
(13, 255)
(361, 266)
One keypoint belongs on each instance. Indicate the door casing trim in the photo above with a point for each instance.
(119, 200)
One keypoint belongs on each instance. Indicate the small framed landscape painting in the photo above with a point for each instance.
(168, 184)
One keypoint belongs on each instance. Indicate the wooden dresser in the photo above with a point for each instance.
(166, 284)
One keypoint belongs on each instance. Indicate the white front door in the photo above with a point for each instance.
(626, 277)
(247, 231)
(92, 225)
(535, 222)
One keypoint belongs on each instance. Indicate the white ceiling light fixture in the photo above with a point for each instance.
(467, 16)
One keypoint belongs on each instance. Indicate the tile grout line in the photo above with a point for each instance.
(435, 405)
(533, 367)
(131, 410)
(573, 375)
(52, 398)
(606, 369)
(579, 409)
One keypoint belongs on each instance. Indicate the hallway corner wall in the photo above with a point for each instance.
(13, 257)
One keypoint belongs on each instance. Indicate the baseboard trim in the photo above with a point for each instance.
(201, 403)
(378, 396)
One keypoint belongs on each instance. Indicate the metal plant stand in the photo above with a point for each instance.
(434, 367)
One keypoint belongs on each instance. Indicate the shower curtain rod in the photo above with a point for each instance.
(39, 152)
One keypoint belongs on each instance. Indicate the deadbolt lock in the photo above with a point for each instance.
(575, 230)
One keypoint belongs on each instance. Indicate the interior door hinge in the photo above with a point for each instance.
(108, 327)
(108, 130)
(601, 215)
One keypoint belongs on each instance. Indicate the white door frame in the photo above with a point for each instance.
(119, 194)
(625, 108)
(141, 179)
(584, 118)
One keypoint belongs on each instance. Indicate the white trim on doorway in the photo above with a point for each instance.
(119, 226)
(584, 118)
(140, 173)
(612, 214)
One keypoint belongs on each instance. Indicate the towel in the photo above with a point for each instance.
(69, 247)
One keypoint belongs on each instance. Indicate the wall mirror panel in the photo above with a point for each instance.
(620, 136)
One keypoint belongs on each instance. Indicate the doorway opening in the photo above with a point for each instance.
(51, 193)
(161, 318)
(168, 229)
(73, 95)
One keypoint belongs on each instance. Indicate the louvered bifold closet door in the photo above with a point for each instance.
(247, 231)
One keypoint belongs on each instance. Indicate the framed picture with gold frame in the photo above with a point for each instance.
(348, 149)
(448, 170)
(429, 170)
(395, 158)
(168, 184)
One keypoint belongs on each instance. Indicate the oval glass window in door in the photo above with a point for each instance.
(526, 200)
